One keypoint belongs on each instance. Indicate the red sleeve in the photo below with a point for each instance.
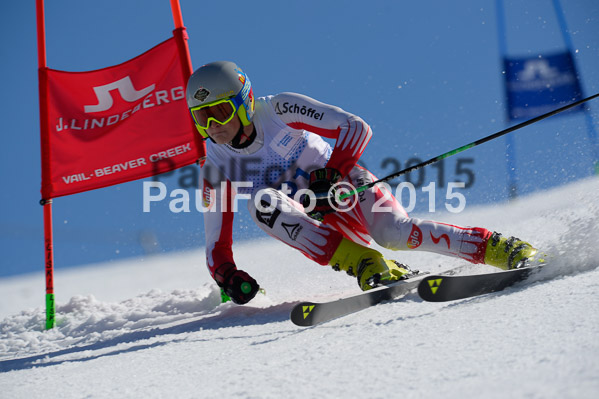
(218, 223)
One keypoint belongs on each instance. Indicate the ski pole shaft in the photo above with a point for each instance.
(467, 146)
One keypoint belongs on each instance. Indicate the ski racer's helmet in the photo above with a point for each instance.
(216, 92)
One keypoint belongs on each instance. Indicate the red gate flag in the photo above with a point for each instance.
(116, 124)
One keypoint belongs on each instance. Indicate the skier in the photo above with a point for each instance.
(271, 150)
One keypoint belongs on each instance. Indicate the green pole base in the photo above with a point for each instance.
(224, 298)
(50, 312)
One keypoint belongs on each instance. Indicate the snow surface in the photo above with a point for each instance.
(155, 328)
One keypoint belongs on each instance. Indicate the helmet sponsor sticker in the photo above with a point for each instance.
(229, 93)
(201, 94)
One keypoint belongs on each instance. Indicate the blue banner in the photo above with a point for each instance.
(540, 84)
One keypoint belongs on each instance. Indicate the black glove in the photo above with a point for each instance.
(321, 181)
(237, 284)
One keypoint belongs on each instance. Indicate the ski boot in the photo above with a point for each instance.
(368, 265)
(508, 253)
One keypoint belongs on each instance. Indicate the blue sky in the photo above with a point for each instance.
(425, 75)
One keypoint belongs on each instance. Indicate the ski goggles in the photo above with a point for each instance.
(221, 111)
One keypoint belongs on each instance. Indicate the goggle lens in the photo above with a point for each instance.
(222, 113)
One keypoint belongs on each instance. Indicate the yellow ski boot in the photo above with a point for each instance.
(508, 253)
(367, 264)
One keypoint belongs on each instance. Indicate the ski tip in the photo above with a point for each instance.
(302, 314)
(429, 286)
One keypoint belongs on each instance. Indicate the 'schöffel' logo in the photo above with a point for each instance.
(284, 108)
(415, 238)
(125, 89)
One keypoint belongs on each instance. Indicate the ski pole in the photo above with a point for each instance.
(466, 147)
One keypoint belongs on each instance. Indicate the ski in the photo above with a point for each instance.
(307, 314)
(439, 288)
